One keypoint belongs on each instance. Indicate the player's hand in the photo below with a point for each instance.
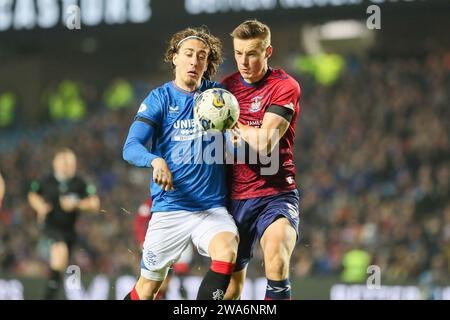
(162, 174)
(69, 203)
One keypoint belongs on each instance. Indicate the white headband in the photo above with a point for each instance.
(191, 37)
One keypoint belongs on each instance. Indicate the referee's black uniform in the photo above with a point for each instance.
(59, 225)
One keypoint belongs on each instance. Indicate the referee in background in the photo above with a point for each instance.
(58, 199)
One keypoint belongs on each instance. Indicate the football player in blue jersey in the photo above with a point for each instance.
(189, 196)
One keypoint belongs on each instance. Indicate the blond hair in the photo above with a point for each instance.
(253, 29)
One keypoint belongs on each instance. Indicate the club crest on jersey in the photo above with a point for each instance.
(218, 99)
(256, 104)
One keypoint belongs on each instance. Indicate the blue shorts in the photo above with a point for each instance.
(253, 216)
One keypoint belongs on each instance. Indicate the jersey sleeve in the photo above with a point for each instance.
(36, 186)
(91, 190)
(86, 189)
(287, 95)
(152, 108)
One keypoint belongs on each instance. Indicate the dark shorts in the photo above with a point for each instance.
(61, 235)
(253, 216)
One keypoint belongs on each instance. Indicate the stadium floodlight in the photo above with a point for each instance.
(343, 29)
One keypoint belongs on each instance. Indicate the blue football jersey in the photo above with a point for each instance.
(198, 184)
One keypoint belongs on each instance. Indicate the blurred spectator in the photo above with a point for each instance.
(355, 262)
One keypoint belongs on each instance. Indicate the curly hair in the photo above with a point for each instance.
(214, 44)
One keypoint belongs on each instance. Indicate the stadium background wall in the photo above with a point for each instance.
(100, 287)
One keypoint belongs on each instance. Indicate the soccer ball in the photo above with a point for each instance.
(216, 109)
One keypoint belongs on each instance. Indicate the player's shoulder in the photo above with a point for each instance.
(284, 80)
(160, 93)
(83, 186)
(42, 182)
(163, 91)
(36, 183)
(281, 76)
(231, 80)
(157, 97)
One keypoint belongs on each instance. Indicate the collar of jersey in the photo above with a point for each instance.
(62, 180)
(257, 83)
(189, 93)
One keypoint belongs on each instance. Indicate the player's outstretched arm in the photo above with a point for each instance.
(134, 150)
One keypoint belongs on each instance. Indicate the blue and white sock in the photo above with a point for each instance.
(278, 290)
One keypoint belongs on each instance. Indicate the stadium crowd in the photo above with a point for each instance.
(373, 160)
